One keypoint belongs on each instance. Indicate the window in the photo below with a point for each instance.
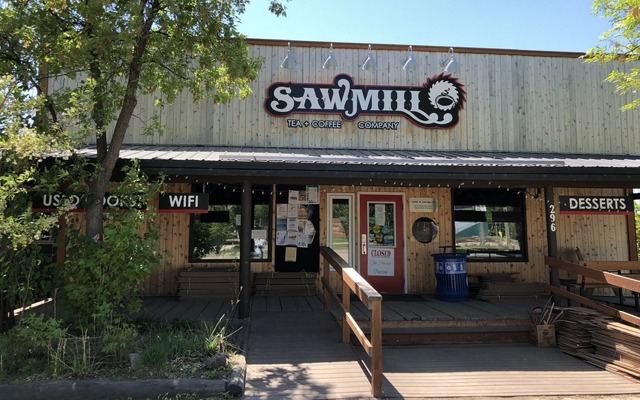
(215, 236)
(340, 231)
(489, 224)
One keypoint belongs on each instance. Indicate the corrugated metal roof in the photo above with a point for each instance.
(367, 157)
(382, 167)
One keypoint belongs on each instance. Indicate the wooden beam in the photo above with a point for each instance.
(346, 303)
(326, 286)
(451, 323)
(416, 48)
(625, 316)
(551, 212)
(329, 294)
(359, 334)
(245, 251)
(602, 276)
(354, 282)
(632, 240)
(613, 265)
(376, 351)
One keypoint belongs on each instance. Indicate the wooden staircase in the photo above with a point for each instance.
(285, 284)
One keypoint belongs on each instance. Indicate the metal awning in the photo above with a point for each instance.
(382, 167)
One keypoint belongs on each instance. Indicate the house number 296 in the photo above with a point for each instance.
(552, 217)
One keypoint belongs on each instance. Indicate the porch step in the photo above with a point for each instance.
(207, 284)
(451, 335)
(433, 332)
(426, 320)
(285, 284)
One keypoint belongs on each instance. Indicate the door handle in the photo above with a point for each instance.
(364, 244)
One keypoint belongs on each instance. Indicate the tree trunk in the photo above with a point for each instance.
(95, 210)
(108, 155)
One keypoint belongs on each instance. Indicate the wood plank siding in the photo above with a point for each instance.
(516, 101)
(600, 237)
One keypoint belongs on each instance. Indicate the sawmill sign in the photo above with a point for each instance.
(436, 104)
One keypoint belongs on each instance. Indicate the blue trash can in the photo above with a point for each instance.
(451, 277)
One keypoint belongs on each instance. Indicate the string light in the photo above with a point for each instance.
(529, 193)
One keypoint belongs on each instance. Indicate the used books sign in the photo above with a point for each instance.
(192, 203)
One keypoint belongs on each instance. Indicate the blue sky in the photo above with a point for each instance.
(552, 25)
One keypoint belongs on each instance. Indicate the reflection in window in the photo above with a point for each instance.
(340, 233)
(489, 224)
(215, 236)
(382, 224)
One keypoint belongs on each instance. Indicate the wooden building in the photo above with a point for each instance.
(510, 152)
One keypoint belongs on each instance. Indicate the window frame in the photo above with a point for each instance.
(501, 198)
(349, 198)
(222, 195)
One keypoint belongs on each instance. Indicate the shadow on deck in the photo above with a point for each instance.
(295, 351)
(407, 319)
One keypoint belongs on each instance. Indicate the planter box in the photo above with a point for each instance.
(543, 335)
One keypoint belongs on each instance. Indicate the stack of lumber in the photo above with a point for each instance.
(477, 281)
(498, 277)
(601, 341)
(618, 348)
(575, 330)
(500, 290)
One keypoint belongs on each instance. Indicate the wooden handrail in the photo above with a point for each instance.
(353, 282)
(602, 276)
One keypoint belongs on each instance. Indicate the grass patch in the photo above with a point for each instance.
(40, 348)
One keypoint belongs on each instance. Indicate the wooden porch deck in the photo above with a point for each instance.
(295, 351)
(423, 311)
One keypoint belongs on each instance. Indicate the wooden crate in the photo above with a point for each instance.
(543, 335)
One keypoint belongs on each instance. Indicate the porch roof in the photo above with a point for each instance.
(382, 167)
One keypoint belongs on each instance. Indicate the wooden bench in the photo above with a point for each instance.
(207, 284)
(629, 269)
(285, 284)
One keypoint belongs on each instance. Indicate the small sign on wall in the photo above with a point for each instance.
(423, 205)
(191, 203)
(596, 205)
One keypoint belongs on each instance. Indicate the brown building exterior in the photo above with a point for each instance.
(510, 152)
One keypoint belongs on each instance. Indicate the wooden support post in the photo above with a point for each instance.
(376, 344)
(325, 290)
(245, 251)
(552, 236)
(631, 232)
(61, 256)
(346, 302)
(4, 312)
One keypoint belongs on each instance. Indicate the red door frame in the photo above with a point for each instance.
(385, 279)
